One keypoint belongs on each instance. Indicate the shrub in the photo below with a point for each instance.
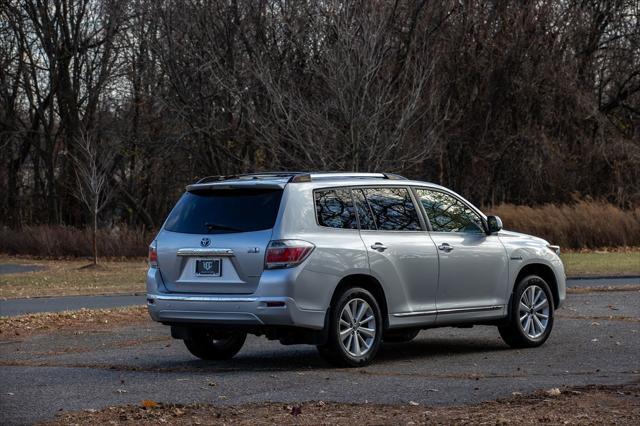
(65, 241)
(585, 224)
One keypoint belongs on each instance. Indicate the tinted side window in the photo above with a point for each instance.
(364, 212)
(447, 213)
(334, 208)
(392, 209)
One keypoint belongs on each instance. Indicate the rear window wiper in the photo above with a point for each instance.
(218, 227)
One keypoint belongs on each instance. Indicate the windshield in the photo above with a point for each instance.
(215, 211)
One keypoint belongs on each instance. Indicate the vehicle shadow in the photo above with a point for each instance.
(302, 357)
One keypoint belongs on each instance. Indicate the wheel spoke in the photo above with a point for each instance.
(367, 319)
(543, 304)
(361, 311)
(522, 318)
(356, 343)
(531, 294)
(345, 333)
(523, 307)
(347, 311)
(527, 324)
(368, 331)
(541, 315)
(541, 327)
(354, 309)
(364, 343)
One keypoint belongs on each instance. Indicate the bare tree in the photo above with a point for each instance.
(92, 166)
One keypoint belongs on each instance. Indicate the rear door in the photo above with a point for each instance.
(214, 240)
(401, 255)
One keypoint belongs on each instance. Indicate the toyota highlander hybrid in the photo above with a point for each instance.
(343, 261)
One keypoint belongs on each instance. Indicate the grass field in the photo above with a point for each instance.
(602, 263)
(67, 277)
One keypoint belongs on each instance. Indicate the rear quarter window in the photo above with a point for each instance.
(334, 208)
(222, 211)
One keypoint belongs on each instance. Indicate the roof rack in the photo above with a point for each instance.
(299, 177)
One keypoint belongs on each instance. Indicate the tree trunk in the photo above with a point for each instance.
(95, 236)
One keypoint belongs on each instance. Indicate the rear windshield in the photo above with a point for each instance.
(225, 211)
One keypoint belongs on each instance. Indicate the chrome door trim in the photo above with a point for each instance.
(448, 311)
(476, 309)
(205, 252)
(415, 314)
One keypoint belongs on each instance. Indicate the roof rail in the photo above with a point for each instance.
(260, 175)
(308, 177)
(299, 177)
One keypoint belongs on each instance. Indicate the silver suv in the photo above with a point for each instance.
(343, 261)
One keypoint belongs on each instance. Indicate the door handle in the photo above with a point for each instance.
(378, 246)
(445, 247)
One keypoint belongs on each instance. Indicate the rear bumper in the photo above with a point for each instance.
(227, 309)
(231, 310)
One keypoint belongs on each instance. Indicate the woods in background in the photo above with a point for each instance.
(522, 102)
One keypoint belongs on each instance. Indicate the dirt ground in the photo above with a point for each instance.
(593, 405)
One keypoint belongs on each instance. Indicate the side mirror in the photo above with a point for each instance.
(494, 224)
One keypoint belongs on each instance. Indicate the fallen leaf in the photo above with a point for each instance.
(147, 403)
(413, 403)
(121, 391)
(296, 410)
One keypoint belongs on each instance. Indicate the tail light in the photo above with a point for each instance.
(153, 255)
(287, 253)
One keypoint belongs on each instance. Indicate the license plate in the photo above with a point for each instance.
(211, 267)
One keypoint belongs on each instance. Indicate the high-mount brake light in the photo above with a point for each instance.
(287, 253)
(153, 255)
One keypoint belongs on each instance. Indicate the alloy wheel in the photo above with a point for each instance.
(534, 311)
(357, 327)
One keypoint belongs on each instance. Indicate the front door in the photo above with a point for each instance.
(473, 266)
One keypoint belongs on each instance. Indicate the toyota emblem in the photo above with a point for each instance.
(205, 242)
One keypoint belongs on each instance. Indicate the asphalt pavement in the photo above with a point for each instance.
(12, 307)
(595, 340)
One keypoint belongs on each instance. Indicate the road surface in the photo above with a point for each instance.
(596, 340)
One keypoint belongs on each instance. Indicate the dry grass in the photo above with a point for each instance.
(586, 405)
(585, 224)
(66, 241)
(80, 320)
(67, 277)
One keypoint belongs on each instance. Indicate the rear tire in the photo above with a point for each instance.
(355, 329)
(531, 313)
(215, 346)
(401, 336)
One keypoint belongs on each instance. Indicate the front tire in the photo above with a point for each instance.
(355, 329)
(215, 346)
(531, 314)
